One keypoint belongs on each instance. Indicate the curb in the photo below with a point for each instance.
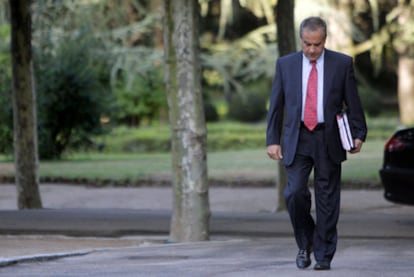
(42, 257)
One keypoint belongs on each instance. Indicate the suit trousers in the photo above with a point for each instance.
(319, 234)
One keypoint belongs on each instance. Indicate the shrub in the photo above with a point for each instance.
(371, 101)
(137, 84)
(71, 97)
(247, 108)
(143, 99)
(210, 112)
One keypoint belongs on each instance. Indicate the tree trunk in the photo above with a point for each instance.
(405, 89)
(24, 103)
(285, 27)
(191, 211)
(403, 43)
(286, 44)
(156, 5)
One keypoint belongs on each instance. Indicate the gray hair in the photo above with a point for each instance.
(313, 23)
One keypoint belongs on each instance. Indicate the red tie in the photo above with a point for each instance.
(311, 116)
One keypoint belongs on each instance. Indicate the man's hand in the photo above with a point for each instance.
(358, 145)
(274, 152)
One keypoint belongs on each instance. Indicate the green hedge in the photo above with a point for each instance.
(220, 136)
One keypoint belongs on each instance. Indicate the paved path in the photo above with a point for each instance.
(236, 257)
(123, 232)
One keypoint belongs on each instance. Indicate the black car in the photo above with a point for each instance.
(397, 172)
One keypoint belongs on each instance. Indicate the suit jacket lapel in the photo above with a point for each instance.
(327, 75)
(298, 77)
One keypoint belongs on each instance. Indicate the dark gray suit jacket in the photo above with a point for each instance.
(284, 116)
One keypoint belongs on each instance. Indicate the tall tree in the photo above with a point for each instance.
(404, 44)
(24, 103)
(191, 211)
(398, 29)
(285, 21)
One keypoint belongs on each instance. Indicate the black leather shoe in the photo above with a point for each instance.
(322, 266)
(303, 259)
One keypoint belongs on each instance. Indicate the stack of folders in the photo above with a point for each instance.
(345, 131)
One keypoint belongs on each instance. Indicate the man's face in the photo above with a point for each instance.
(313, 43)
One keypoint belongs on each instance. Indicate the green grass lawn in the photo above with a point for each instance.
(224, 165)
(364, 166)
(236, 152)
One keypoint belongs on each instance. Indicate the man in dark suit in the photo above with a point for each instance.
(303, 146)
